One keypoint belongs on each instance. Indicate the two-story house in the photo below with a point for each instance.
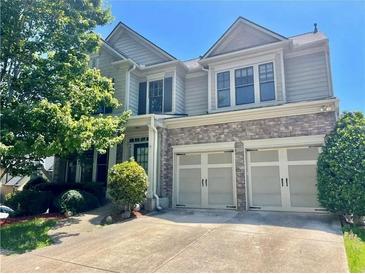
(238, 128)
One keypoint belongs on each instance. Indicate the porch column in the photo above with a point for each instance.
(151, 149)
(112, 157)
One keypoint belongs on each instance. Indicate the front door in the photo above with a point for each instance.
(205, 180)
(141, 154)
(283, 179)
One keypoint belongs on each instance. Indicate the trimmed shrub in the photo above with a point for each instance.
(29, 202)
(127, 184)
(341, 167)
(32, 183)
(76, 201)
(57, 189)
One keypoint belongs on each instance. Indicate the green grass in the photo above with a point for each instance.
(27, 235)
(355, 248)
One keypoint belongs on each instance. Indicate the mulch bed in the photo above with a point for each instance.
(117, 217)
(12, 220)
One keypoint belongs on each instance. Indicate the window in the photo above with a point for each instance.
(87, 166)
(155, 96)
(244, 83)
(223, 89)
(102, 168)
(267, 86)
(159, 96)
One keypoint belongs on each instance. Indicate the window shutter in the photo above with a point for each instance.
(168, 94)
(142, 98)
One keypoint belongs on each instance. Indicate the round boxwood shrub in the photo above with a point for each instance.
(341, 167)
(34, 182)
(127, 184)
(29, 202)
(76, 201)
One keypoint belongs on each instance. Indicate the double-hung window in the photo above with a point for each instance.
(223, 89)
(244, 86)
(155, 96)
(267, 85)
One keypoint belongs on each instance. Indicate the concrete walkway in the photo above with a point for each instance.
(191, 241)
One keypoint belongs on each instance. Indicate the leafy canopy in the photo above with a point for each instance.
(341, 167)
(49, 94)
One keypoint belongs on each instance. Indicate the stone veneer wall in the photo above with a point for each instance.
(301, 125)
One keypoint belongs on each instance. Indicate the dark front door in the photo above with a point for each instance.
(141, 154)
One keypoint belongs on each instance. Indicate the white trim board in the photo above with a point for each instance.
(291, 109)
(284, 142)
(203, 147)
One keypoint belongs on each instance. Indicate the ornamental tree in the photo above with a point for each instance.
(49, 94)
(341, 167)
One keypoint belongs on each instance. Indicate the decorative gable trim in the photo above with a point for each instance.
(249, 23)
(120, 25)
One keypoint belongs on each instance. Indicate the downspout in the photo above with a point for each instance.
(127, 83)
(155, 139)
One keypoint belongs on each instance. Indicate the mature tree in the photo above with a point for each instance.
(341, 167)
(49, 94)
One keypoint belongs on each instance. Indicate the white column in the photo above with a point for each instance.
(78, 171)
(95, 158)
(151, 143)
(112, 157)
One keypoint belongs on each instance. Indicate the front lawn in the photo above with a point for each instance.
(25, 236)
(355, 247)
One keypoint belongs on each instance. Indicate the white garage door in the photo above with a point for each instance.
(283, 179)
(205, 180)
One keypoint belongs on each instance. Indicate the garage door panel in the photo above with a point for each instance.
(303, 189)
(266, 189)
(220, 187)
(189, 187)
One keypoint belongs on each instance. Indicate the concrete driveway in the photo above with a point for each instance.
(192, 241)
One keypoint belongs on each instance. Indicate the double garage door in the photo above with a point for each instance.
(277, 179)
(283, 179)
(205, 180)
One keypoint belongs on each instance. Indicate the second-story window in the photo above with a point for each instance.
(267, 85)
(223, 89)
(155, 96)
(244, 85)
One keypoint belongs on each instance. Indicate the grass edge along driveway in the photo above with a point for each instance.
(354, 238)
(26, 236)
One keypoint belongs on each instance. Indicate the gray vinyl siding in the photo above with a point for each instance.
(118, 72)
(306, 77)
(133, 93)
(137, 50)
(180, 93)
(196, 95)
(242, 37)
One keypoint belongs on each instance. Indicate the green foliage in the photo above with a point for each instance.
(29, 202)
(49, 94)
(341, 167)
(96, 189)
(26, 236)
(355, 248)
(32, 183)
(127, 184)
(76, 201)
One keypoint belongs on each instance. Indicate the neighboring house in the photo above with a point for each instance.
(238, 128)
(9, 184)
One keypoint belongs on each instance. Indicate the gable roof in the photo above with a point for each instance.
(154, 46)
(241, 20)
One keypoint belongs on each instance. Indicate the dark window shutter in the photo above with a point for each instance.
(142, 98)
(168, 94)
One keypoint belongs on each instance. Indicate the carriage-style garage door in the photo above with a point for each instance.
(283, 179)
(205, 180)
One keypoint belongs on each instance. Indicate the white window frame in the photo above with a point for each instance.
(242, 65)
